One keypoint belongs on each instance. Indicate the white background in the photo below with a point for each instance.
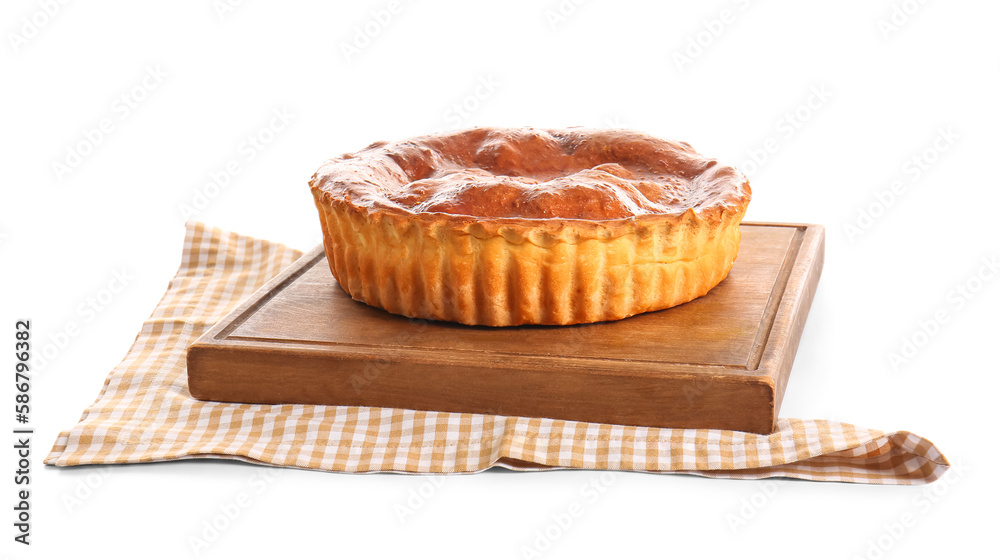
(873, 84)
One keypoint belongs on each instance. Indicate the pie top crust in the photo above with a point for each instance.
(570, 183)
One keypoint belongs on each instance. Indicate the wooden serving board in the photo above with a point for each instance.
(720, 361)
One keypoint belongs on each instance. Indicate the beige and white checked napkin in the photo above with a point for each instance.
(145, 413)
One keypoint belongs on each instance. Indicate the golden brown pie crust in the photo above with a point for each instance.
(499, 227)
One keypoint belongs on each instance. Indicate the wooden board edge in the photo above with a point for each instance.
(780, 355)
(772, 308)
(230, 321)
(536, 393)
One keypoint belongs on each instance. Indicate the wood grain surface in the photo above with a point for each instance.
(720, 361)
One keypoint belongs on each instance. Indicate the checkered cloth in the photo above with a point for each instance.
(145, 413)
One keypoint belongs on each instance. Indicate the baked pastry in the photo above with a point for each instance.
(493, 226)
